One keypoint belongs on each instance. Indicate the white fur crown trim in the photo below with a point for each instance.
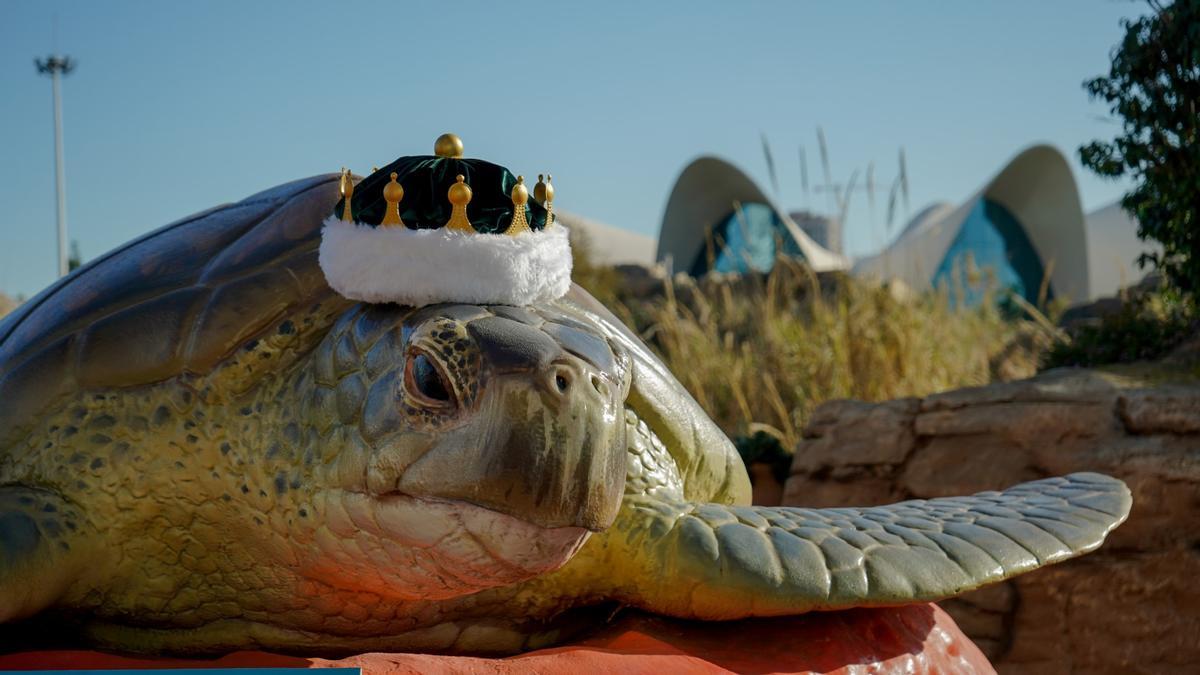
(425, 267)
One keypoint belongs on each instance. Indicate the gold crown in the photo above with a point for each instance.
(459, 195)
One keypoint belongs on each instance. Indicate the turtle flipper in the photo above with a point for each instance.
(40, 549)
(724, 562)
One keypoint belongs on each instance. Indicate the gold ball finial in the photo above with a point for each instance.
(520, 193)
(459, 193)
(393, 191)
(448, 145)
(549, 188)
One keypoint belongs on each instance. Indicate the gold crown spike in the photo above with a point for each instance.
(393, 192)
(346, 187)
(459, 195)
(520, 195)
(548, 201)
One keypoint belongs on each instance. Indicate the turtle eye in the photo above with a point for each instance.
(426, 381)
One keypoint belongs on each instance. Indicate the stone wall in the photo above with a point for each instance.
(1133, 606)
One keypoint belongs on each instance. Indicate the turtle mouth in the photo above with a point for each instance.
(431, 548)
(508, 539)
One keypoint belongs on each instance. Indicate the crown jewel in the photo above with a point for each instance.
(547, 199)
(346, 188)
(459, 195)
(520, 196)
(393, 192)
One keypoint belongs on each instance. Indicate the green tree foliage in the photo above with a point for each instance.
(1154, 88)
(1145, 328)
(763, 448)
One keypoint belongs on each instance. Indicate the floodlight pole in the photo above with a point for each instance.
(57, 67)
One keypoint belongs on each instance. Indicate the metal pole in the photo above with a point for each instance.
(60, 181)
(56, 67)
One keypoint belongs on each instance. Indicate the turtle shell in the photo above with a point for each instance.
(181, 298)
(184, 297)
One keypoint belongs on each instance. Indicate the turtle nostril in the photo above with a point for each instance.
(599, 386)
(562, 382)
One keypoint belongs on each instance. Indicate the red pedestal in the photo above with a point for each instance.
(913, 639)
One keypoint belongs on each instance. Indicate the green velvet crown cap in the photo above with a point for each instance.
(440, 228)
(426, 180)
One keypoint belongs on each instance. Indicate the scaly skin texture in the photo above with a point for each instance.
(164, 472)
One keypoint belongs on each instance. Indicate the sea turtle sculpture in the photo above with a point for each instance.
(203, 448)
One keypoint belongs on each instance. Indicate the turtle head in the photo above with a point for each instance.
(510, 410)
(490, 440)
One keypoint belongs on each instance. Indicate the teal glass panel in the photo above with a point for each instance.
(745, 240)
(991, 241)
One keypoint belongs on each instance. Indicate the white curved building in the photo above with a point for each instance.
(608, 245)
(718, 218)
(1113, 250)
(1025, 226)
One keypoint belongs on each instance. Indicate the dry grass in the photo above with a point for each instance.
(7, 305)
(761, 352)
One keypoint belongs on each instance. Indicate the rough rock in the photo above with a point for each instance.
(1166, 410)
(912, 640)
(1131, 607)
(869, 432)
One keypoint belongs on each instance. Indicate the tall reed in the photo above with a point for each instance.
(760, 352)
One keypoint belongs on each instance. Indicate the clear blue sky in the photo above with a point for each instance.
(178, 106)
